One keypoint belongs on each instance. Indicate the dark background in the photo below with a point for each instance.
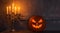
(49, 9)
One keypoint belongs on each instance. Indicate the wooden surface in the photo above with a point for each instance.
(27, 31)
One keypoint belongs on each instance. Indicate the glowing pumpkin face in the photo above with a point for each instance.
(37, 23)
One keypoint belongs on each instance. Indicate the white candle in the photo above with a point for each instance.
(15, 10)
(7, 9)
(18, 10)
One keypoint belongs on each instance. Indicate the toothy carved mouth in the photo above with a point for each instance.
(34, 26)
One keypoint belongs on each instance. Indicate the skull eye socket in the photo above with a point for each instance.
(40, 21)
(33, 21)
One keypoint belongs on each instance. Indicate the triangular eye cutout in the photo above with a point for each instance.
(40, 21)
(33, 21)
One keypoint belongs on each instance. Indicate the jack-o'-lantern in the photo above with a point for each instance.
(36, 23)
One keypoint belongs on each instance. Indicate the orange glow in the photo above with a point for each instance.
(33, 21)
(34, 26)
(13, 8)
(10, 7)
(40, 21)
(18, 10)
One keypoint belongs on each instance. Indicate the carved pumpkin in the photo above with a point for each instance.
(36, 23)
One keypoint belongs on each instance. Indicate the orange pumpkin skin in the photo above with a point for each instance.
(36, 23)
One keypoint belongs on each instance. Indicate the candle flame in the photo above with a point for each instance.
(13, 8)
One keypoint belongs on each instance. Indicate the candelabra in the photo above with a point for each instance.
(13, 12)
